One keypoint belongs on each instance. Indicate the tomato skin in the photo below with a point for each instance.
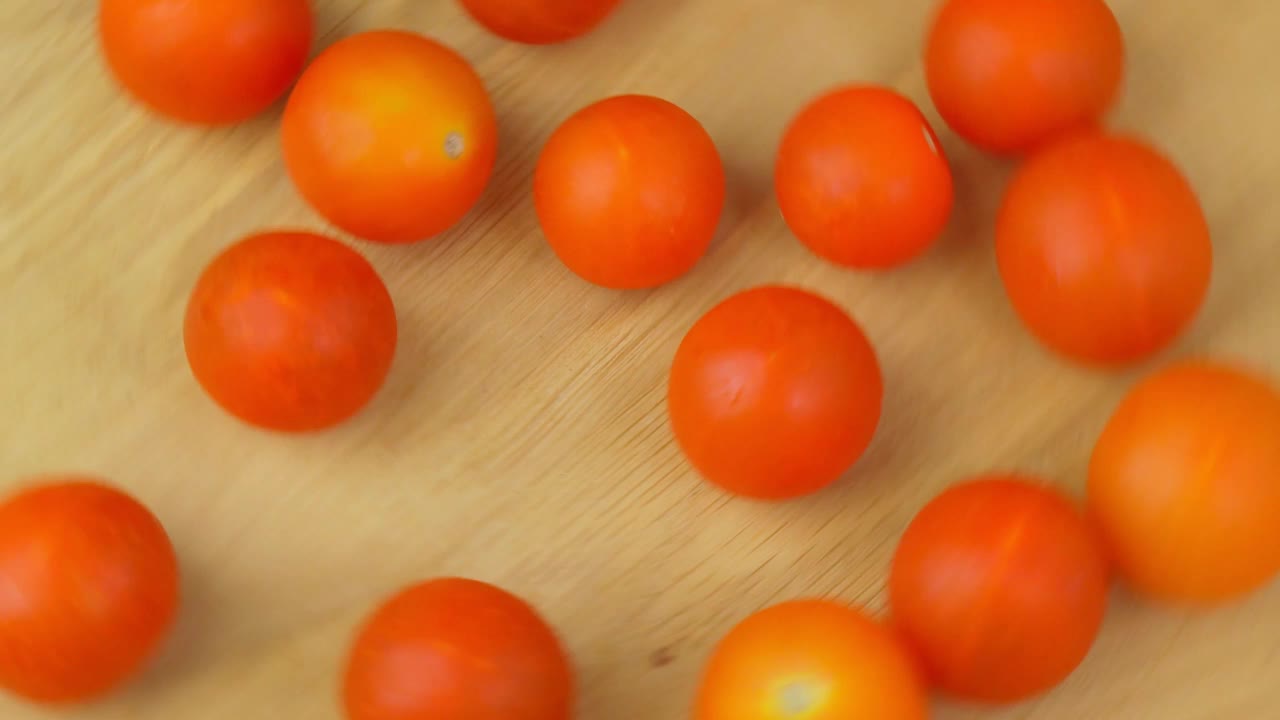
(209, 62)
(1103, 249)
(88, 589)
(390, 136)
(457, 649)
(1001, 583)
(290, 331)
(539, 22)
(861, 178)
(811, 660)
(629, 192)
(1011, 75)
(1185, 483)
(774, 393)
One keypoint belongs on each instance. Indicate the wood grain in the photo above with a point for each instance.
(522, 437)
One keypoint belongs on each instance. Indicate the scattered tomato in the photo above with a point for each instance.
(209, 62)
(861, 178)
(456, 649)
(290, 331)
(1009, 75)
(390, 136)
(629, 192)
(1001, 584)
(1103, 248)
(1185, 483)
(774, 393)
(88, 589)
(539, 22)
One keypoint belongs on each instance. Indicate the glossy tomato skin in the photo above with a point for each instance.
(457, 649)
(390, 136)
(290, 331)
(1001, 584)
(811, 660)
(629, 192)
(1103, 249)
(774, 393)
(1011, 75)
(539, 22)
(1185, 483)
(88, 589)
(209, 62)
(861, 178)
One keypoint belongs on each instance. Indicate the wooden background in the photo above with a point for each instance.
(522, 437)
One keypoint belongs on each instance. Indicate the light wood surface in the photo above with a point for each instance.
(522, 437)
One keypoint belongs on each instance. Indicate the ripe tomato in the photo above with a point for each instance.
(390, 136)
(774, 393)
(1001, 584)
(629, 192)
(1103, 249)
(811, 660)
(210, 62)
(456, 649)
(1008, 75)
(861, 178)
(88, 589)
(290, 331)
(539, 22)
(1185, 483)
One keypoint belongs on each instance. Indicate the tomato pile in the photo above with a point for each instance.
(998, 587)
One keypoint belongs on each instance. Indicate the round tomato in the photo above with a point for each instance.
(774, 393)
(1185, 483)
(1001, 584)
(1008, 75)
(861, 178)
(88, 589)
(210, 62)
(629, 192)
(290, 331)
(811, 660)
(456, 649)
(390, 136)
(1103, 249)
(539, 22)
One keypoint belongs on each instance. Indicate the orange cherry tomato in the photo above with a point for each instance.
(861, 178)
(774, 393)
(390, 136)
(88, 590)
(1185, 483)
(290, 331)
(629, 192)
(811, 660)
(1103, 248)
(539, 22)
(456, 649)
(1009, 75)
(1001, 584)
(209, 62)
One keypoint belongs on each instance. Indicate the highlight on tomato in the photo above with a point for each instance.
(539, 22)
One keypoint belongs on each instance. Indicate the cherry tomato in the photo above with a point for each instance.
(774, 393)
(1001, 584)
(88, 589)
(290, 331)
(1103, 249)
(539, 22)
(1009, 75)
(811, 660)
(457, 649)
(629, 192)
(1185, 483)
(210, 62)
(861, 178)
(390, 136)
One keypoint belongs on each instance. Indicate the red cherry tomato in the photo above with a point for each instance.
(774, 393)
(539, 22)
